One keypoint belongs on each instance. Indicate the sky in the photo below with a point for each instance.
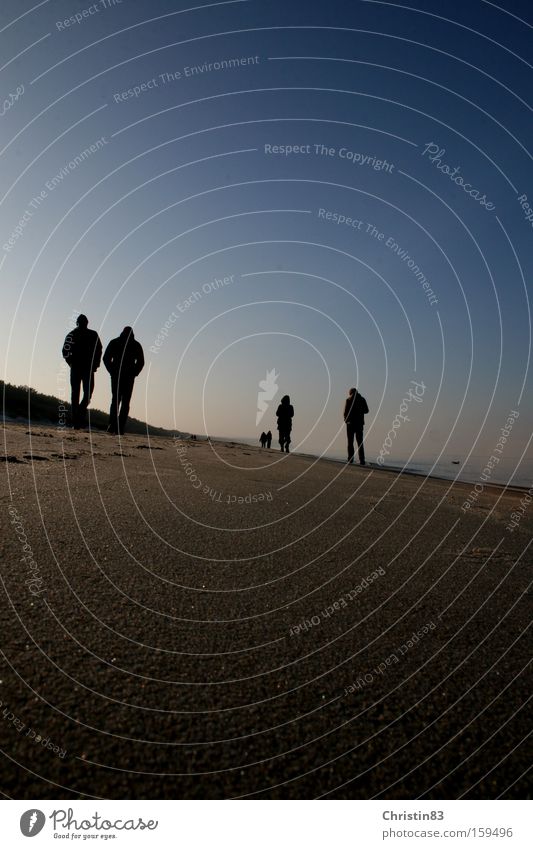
(335, 193)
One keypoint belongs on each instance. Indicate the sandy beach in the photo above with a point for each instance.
(186, 620)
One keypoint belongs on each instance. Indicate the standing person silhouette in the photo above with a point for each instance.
(82, 350)
(124, 360)
(269, 439)
(263, 439)
(285, 413)
(355, 409)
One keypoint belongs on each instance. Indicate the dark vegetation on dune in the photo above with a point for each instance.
(23, 402)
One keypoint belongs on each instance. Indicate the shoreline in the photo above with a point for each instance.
(412, 472)
(398, 470)
(220, 440)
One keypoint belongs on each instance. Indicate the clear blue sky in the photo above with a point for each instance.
(186, 186)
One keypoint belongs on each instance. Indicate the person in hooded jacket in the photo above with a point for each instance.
(124, 360)
(82, 350)
(285, 413)
(355, 409)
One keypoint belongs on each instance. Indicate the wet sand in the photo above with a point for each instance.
(185, 620)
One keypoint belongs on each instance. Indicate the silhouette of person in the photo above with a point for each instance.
(285, 413)
(269, 439)
(355, 409)
(124, 360)
(82, 350)
(263, 439)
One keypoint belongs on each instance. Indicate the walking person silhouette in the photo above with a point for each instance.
(82, 350)
(355, 408)
(124, 360)
(285, 413)
(269, 439)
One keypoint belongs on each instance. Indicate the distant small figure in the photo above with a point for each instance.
(82, 350)
(355, 410)
(263, 439)
(285, 413)
(269, 438)
(124, 360)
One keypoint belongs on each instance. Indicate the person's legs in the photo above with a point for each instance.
(75, 385)
(87, 380)
(125, 393)
(113, 410)
(284, 440)
(360, 445)
(350, 435)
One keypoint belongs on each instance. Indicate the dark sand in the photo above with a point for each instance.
(156, 651)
